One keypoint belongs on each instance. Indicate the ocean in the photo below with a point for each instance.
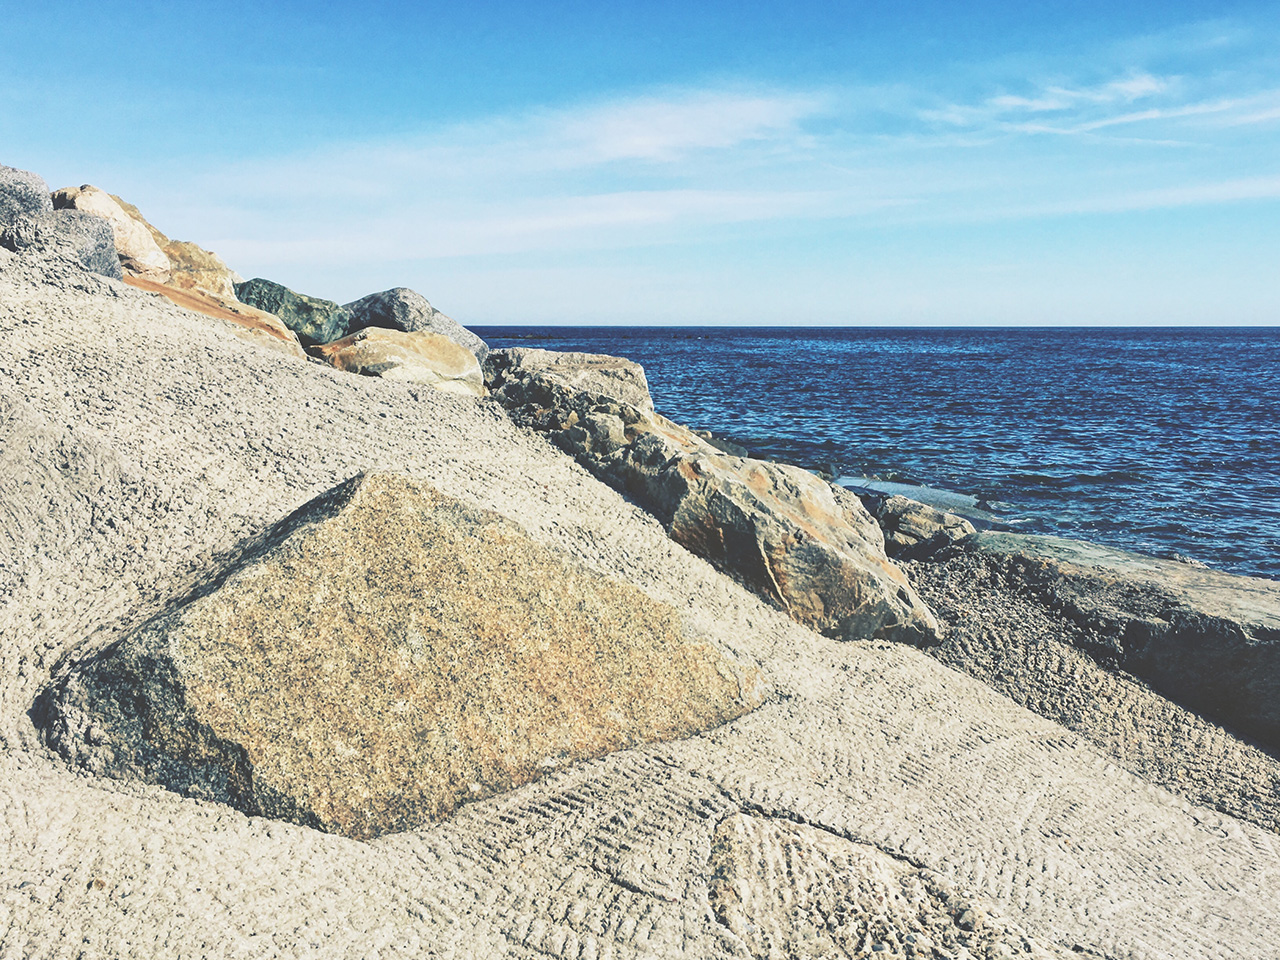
(1160, 440)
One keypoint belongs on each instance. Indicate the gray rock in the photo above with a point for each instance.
(805, 545)
(314, 320)
(30, 225)
(1206, 639)
(913, 529)
(591, 374)
(22, 194)
(403, 309)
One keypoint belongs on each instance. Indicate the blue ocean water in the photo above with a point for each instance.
(1165, 441)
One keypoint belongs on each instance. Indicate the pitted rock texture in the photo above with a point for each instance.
(790, 890)
(140, 255)
(384, 655)
(913, 529)
(403, 309)
(806, 545)
(312, 319)
(29, 225)
(418, 357)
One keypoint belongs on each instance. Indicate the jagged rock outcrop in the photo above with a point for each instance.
(383, 655)
(140, 255)
(806, 545)
(29, 224)
(913, 529)
(312, 319)
(418, 357)
(403, 309)
(1205, 639)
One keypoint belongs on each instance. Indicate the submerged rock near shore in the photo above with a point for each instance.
(385, 654)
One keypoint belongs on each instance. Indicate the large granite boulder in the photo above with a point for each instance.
(140, 255)
(22, 195)
(383, 655)
(312, 319)
(419, 357)
(1205, 639)
(29, 224)
(805, 545)
(567, 374)
(403, 309)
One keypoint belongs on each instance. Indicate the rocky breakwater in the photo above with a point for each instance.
(382, 655)
(806, 545)
(30, 225)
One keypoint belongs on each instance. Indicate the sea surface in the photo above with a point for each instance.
(1164, 441)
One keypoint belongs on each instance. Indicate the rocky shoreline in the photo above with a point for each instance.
(265, 624)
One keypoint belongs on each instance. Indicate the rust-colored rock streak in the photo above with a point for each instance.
(389, 654)
(258, 323)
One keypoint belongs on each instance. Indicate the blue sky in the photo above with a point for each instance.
(826, 163)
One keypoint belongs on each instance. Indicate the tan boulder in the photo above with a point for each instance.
(418, 357)
(191, 266)
(615, 378)
(804, 544)
(196, 268)
(140, 255)
(383, 655)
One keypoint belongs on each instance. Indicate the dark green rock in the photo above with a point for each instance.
(312, 319)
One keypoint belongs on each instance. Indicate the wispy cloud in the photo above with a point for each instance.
(672, 167)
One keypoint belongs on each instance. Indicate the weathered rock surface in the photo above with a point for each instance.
(251, 324)
(1008, 633)
(1205, 639)
(30, 225)
(384, 655)
(790, 890)
(418, 357)
(312, 319)
(140, 255)
(913, 529)
(594, 374)
(152, 444)
(195, 268)
(403, 309)
(802, 543)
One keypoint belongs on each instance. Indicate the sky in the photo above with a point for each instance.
(741, 163)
